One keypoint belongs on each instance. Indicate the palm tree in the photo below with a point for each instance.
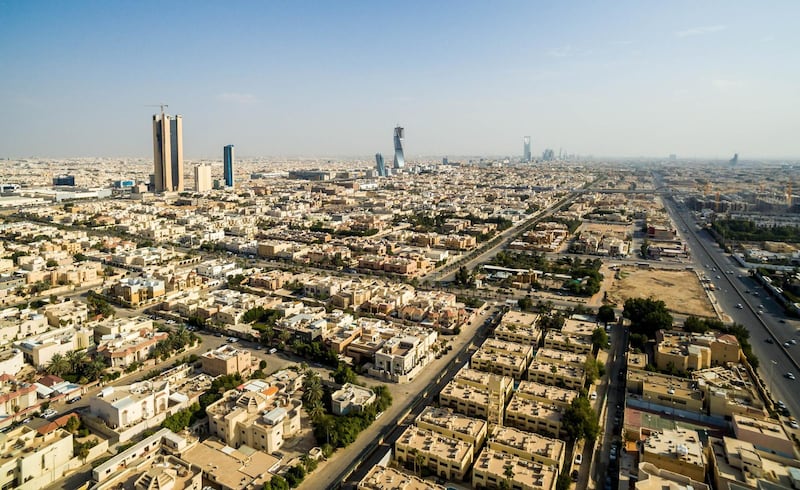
(312, 389)
(315, 411)
(75, 359)
(58, 365)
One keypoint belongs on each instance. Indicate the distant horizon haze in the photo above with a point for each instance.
(626, 80)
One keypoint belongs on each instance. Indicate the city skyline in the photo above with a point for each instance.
(626, 80)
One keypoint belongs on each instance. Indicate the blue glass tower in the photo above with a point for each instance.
(526, 149)
(380, 165)
(227, 165)
(399, 159)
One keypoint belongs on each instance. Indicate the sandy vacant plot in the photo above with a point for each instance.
(680, 290)
(606, 228)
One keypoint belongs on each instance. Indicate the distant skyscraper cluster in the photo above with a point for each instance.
(399, 159)
(548, 155)
(168, 153)
(227, 165)
(380, 165)
(734, 160)
(526, 149)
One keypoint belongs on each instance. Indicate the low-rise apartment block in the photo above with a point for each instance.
(555, 339)
(679, 451)
(477, 394)
(493, 469)
(382, 478)
(692, 351)
(502, 357)
(520, 327)
(546, 393)
(552, 373)
(528, 446)
(450, 424)
(40, 349)
(132, 347)
(225, 360)
(534, 416)
(730, 390)
(653, 478)
(446, 457)
(737, 464)
(30, 460)
(561, 357)
(764, 434)
(662, 391)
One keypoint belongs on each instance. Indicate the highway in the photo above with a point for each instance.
(732, 290)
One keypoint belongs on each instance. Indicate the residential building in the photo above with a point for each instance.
(555, 356)
(32, 461)
(653, 478)
(534, 416)
(737, 465)
(383, 478)
(260, 419)
(730, 390)
(558, 340)
(662, 391)
(40, 349)
(764, 434)
(546, 393)
(556, 374)
(520, 327)
(676, 450)
(125, 406)
(150, 463)
(168, 153)
(15, 397)
(478, 394)
(502, 357)
(133, 347)
(690, 351)
(227, 359)
(444, 456)
(450, 424)
(227, 468)
(528, 446)
(494, 468)
(351, 398)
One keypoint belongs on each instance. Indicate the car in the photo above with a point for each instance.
(780, 403)
(787, 344)
(273, 350)
(769, 340)
(593, 395)
(739, 306)
(782, 320)
(793, 342)
(719, 277)
(578, 459)
(793, 424)
(574, 475)
(790, 375)
(74, 399)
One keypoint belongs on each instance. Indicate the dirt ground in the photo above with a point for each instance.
(680, 290)
(607, 228)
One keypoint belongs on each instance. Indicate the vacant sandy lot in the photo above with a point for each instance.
(680, 290)
(605, 228)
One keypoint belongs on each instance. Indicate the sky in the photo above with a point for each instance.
(701, 79)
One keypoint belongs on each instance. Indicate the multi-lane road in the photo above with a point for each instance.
(769, 329)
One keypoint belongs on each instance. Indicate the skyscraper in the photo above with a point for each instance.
(227, 165)
(399, 159)
(526, 149)
(168, 152)
(381, 166)
(202, 178)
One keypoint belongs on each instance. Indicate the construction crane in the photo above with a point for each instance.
(162, 106)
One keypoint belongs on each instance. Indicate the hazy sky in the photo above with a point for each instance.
(333, 78)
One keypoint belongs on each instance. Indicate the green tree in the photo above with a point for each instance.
(344, 374)
(647, 315)
(580, 421)
(58, 365)
(312, 389)
(279, 483)
(599, 339)
(606, 314)
(591, 369)
(73, 424)
(464, 278)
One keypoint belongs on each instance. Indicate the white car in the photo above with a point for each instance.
(593, 395)
(578, 459)
(793, 424)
